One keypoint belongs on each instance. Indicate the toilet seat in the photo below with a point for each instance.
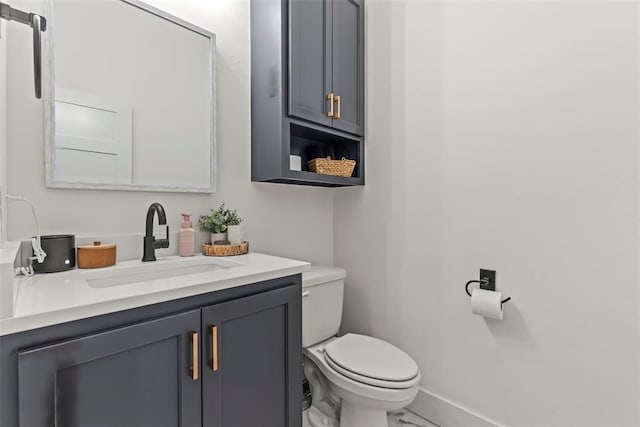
(372, 361)
(367, 394)
(374, 382)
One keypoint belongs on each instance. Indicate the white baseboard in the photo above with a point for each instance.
(446, 413)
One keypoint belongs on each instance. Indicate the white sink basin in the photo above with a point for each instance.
(154, 270)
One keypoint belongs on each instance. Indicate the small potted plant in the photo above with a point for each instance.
(216, 224)
(223, 224)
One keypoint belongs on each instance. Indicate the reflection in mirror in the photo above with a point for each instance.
(130, 99)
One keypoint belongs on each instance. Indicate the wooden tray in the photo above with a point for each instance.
(225, 250)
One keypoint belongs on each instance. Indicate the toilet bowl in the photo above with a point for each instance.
(364, 376)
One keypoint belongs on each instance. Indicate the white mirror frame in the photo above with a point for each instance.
(49, 108)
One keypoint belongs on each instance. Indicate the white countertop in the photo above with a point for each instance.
(49, 299)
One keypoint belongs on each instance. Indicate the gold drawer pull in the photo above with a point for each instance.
(330, 98)
(194, 356)
(214, 348)
(337, 116)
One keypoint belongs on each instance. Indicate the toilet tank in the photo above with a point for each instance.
(322, 292)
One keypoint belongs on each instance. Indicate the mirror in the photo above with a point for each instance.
(129, 99)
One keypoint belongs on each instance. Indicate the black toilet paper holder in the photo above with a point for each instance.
(487, 282)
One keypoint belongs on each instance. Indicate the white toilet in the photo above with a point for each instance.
(364, 376)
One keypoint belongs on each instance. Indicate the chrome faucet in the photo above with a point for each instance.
(150, 242)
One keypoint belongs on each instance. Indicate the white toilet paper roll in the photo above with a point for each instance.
(487, 303)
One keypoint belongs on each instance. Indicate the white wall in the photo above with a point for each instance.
(279, 219)
(508, 140)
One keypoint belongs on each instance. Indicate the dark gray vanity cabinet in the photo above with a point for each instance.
(326, 84)
(230, 358)
(139, 375)
(307, 88)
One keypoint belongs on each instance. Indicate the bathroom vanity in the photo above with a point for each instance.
(183, 342)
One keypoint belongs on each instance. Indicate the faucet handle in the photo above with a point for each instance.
(165, 241)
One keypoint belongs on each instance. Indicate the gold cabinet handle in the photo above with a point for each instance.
(214, 347)
(194, 356)
(330, 98)
(337, 116)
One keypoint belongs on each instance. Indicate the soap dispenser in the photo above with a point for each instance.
(186, 244)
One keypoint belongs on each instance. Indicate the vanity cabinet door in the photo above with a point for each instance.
(135, 376)
(252, 361)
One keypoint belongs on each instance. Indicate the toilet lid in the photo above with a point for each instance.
(371, 358)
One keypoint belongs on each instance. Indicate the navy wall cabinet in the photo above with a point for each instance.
(226, 359)
(307, 87)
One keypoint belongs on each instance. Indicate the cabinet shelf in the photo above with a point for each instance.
(314, 179)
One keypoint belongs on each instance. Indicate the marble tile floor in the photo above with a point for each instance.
(397, 419)
(408, 419)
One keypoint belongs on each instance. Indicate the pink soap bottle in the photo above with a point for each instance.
(186, 238)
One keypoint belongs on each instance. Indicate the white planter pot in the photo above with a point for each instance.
(236, 234)
(218, 236)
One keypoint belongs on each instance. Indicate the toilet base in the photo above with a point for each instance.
(352, 415)
(317, 418)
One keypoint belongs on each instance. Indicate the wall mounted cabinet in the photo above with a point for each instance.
(222, 359)
(307, 88)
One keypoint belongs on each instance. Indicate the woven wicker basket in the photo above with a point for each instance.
(225, 250)
(327, 166)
